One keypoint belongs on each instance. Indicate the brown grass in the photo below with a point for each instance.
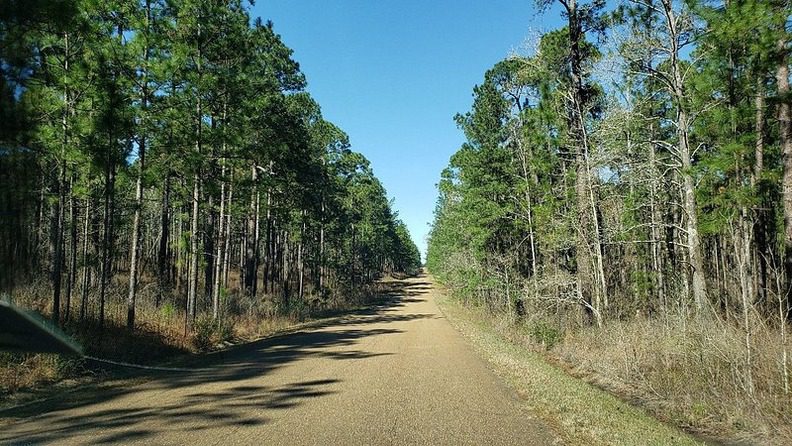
(160, 334)
(581, 413)
(696, 374)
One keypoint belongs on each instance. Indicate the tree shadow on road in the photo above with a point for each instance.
(231, 407)
(218, 389)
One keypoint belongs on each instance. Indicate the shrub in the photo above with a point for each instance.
(203, 332)
(208, 332)
(545, 334)
(224, 329)
(167, 310)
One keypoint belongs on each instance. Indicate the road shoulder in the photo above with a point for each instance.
(578, 411)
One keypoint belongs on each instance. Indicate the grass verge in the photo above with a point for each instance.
(582, 413)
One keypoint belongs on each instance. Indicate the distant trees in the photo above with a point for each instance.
(169, 146)
(655, 191)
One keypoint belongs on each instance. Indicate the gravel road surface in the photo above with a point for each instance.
(395, 374)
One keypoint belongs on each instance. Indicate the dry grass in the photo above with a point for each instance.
(582, 413)
(24, 371)
(696, 374)
(160, 332)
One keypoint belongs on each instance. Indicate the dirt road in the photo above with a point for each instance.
(396, 374)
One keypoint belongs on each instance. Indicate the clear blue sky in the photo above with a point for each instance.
(392, 74)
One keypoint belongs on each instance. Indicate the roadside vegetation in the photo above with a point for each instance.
(623, 203)
(167, 184)
(28, 376)
(581, 413)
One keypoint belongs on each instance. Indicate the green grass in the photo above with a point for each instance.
(581, 413)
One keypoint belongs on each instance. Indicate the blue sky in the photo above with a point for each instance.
(392, 74)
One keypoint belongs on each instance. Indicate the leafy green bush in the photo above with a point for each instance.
(208, 332)
(167, 310)
(297, 309)
(224, 330)
(545, 334)
(203, 332)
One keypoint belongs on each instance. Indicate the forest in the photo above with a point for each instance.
(621, 207)
(624, 197)
(162, 168)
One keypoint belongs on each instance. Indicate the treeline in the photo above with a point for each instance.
(168, 149)
(624, 200)
(639, 160)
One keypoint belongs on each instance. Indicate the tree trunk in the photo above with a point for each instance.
(208, 248)
(284, 266)
(86, 276)
(192, 280)
(178, 265)
(353, 256)
(70, 282)
(227, 243)
(106, 237)
(256, 244)
(41, 224)
(588, 236)
(322, 250)
(761, 223)
(134, 250)
(269, 264)
(300, 266)
(689, 203)
(219, 254)
(163, 256)
(785, 134)
(59, 214)
(657, 247)
(693, 242)
(251, 249)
